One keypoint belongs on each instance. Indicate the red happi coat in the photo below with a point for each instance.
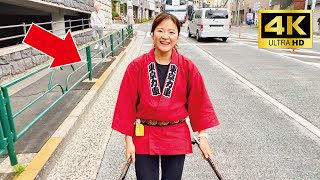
(184, 94)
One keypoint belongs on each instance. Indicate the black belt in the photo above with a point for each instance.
(160, 123)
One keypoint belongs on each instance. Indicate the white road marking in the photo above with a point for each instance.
(276, 53)
(248, 36)
(243, 39)
(300, 50)
(299, 55)
(184, 34)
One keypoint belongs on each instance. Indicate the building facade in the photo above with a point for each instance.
(143, 9)
(196, 4)
(207, 3)
(245, 6)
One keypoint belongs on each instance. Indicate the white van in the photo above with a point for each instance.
(210, 22)
(180, 14)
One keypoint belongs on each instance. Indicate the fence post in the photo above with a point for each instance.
(7, 131)
(129, 31)
(111, 42)
(2, 142)
(122, 34)
(82, 24)
(70, 25)
(89, 62)
(9, 114)
(24, 28)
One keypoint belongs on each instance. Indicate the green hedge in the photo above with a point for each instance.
(114, 14)
(144, 20)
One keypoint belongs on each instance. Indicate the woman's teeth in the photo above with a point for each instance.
(165, 43)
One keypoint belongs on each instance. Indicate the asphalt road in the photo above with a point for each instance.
(268, 105)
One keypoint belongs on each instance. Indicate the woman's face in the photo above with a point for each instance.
(165, 36)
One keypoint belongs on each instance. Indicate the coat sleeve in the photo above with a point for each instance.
(125, 110)
(201, 112)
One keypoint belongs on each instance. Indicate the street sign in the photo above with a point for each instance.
(285, 29)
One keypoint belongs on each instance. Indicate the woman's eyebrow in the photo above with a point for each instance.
(170, 29)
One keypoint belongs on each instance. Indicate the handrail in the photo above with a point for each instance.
(8, 134)
(15, 81)
(49, 22)
(24, 26)
(42, 114)
(67, 80)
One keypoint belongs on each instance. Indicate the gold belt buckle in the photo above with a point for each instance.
(173, 122)
(152, 122)
(163, 123)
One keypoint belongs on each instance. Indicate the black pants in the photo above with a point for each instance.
(147, 167)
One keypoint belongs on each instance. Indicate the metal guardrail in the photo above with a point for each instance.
(84, 22)
(8, 134)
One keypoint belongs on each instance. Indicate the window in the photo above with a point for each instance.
(216, 14)
(198, 15)
(169, 2)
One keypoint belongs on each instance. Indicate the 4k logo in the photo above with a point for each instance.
(285, 29)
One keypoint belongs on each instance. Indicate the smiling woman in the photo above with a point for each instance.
(159, 90)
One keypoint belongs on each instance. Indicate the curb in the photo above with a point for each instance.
(42, 157)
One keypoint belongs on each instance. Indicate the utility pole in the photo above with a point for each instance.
(238, 16)
(130, 12)
(306, 5)
(141, 9)
(313, 5)
(236, 12)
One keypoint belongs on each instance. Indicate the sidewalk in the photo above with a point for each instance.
(80, 155)
(35, 139)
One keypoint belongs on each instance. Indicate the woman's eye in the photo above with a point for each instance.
(171, 32)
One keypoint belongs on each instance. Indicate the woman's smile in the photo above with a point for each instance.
(164, 43)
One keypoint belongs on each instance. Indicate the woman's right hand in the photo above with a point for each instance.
(130, 149)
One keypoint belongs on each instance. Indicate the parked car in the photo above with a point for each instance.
(210, 23)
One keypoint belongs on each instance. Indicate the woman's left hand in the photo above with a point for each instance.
(205, 148)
